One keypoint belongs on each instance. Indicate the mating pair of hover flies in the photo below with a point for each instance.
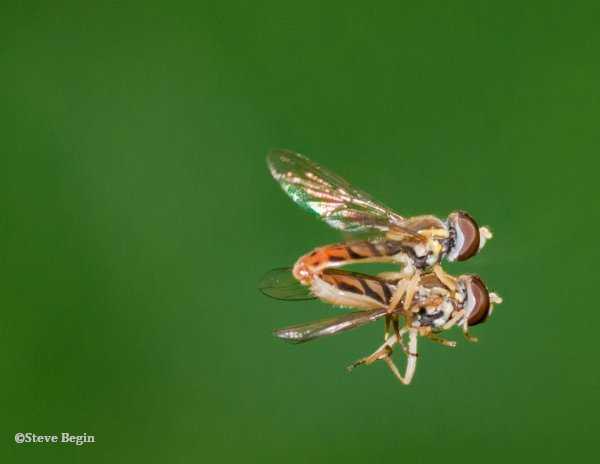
(418, 300)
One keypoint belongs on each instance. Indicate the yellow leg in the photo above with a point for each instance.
(411, 362)
(398, 294)
(411, 288)
(384, 353)
(442, 341)
(467, 335)
(453, 320)
(393, 276)
(444, 277)
(381, 352)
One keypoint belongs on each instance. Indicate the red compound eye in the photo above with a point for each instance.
(477, 304)
(466, 236)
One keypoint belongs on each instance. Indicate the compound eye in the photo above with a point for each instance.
(477, 304)
(466, 239)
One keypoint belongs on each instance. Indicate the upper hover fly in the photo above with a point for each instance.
(418, 242)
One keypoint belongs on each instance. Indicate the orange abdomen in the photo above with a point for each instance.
(344, 253)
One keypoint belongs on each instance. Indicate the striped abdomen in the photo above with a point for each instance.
(351, 289)
(312, 264)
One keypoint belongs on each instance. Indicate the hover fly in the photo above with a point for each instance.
(417, 243)
(427, 305)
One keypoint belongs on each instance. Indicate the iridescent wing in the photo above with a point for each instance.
(280, 284)
(305, 332)
(332, 198)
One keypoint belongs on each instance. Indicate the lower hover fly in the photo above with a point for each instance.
(427, 305)
(418, 242)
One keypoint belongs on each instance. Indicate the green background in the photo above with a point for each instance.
(137, 215)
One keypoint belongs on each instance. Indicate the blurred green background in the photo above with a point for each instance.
(137, 215)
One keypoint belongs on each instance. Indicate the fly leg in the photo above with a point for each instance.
(403, 287)
(453, 320)
(391, 322)
(411, 362)
(411, 288)
(448, 280)
(464, 325)
(381, 353)
(468, 336)
(384, 353)
(407, 269)
(398, 278)
(442, 341)
(427, 332)
(395, 276)
(397, 295)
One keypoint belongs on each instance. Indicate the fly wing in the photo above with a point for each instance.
(331, 197)
(304, 332)
(280, 284)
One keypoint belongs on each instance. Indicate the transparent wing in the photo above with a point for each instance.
(280, 284)
(332, 198)
(305, 332)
